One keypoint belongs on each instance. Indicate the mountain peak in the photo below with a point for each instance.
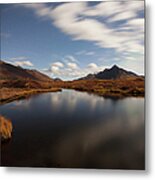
(114, 72)
(115, 67)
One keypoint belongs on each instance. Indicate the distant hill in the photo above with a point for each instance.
(113, 73)
(10, 72)
(57, 80)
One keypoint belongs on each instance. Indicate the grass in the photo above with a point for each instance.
(5, 128)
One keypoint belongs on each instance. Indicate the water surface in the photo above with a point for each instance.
(75, 129)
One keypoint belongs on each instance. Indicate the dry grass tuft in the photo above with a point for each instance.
(5, 128)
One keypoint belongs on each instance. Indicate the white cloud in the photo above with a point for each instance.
(71, 70)
(55, 70)
(136, 24)
(104, 9)
(115, 7)
(20, 61)
(72, 65)
(92, 66)
(123, 16)
(23, 63)
(58, 64)
(80, 21)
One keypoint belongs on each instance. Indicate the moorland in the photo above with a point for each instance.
(17, 83)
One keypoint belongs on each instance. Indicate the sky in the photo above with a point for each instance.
(70, 40)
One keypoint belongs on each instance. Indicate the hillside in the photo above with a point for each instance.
(17, 82)
(10, 72)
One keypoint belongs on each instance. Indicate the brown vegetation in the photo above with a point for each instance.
(17, 89)
(16, 83)
(26, 83)
(109, 88)
(5, 129)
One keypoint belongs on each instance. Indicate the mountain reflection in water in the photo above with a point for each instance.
(75, 129)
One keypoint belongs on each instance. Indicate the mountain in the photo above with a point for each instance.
(113, 73)
(89, 77)
(57, 80)
(11, 72)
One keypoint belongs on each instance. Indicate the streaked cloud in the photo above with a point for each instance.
(79, 20)
(70, 58)
(87, 53)
(90, 53)
(123, 16)
(19, 58)
(113, 25)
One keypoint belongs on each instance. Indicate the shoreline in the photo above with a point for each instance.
(109, 88)
(104, 88)
(9, 95)
(114, 94)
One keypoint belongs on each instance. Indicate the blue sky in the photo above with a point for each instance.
(70, 40)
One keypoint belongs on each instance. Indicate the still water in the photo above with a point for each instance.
(75, 130)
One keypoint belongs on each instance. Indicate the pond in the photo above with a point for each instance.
(72, 129)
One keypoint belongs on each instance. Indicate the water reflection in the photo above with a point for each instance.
(75, 129)
(21, 103)
(72, 99)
